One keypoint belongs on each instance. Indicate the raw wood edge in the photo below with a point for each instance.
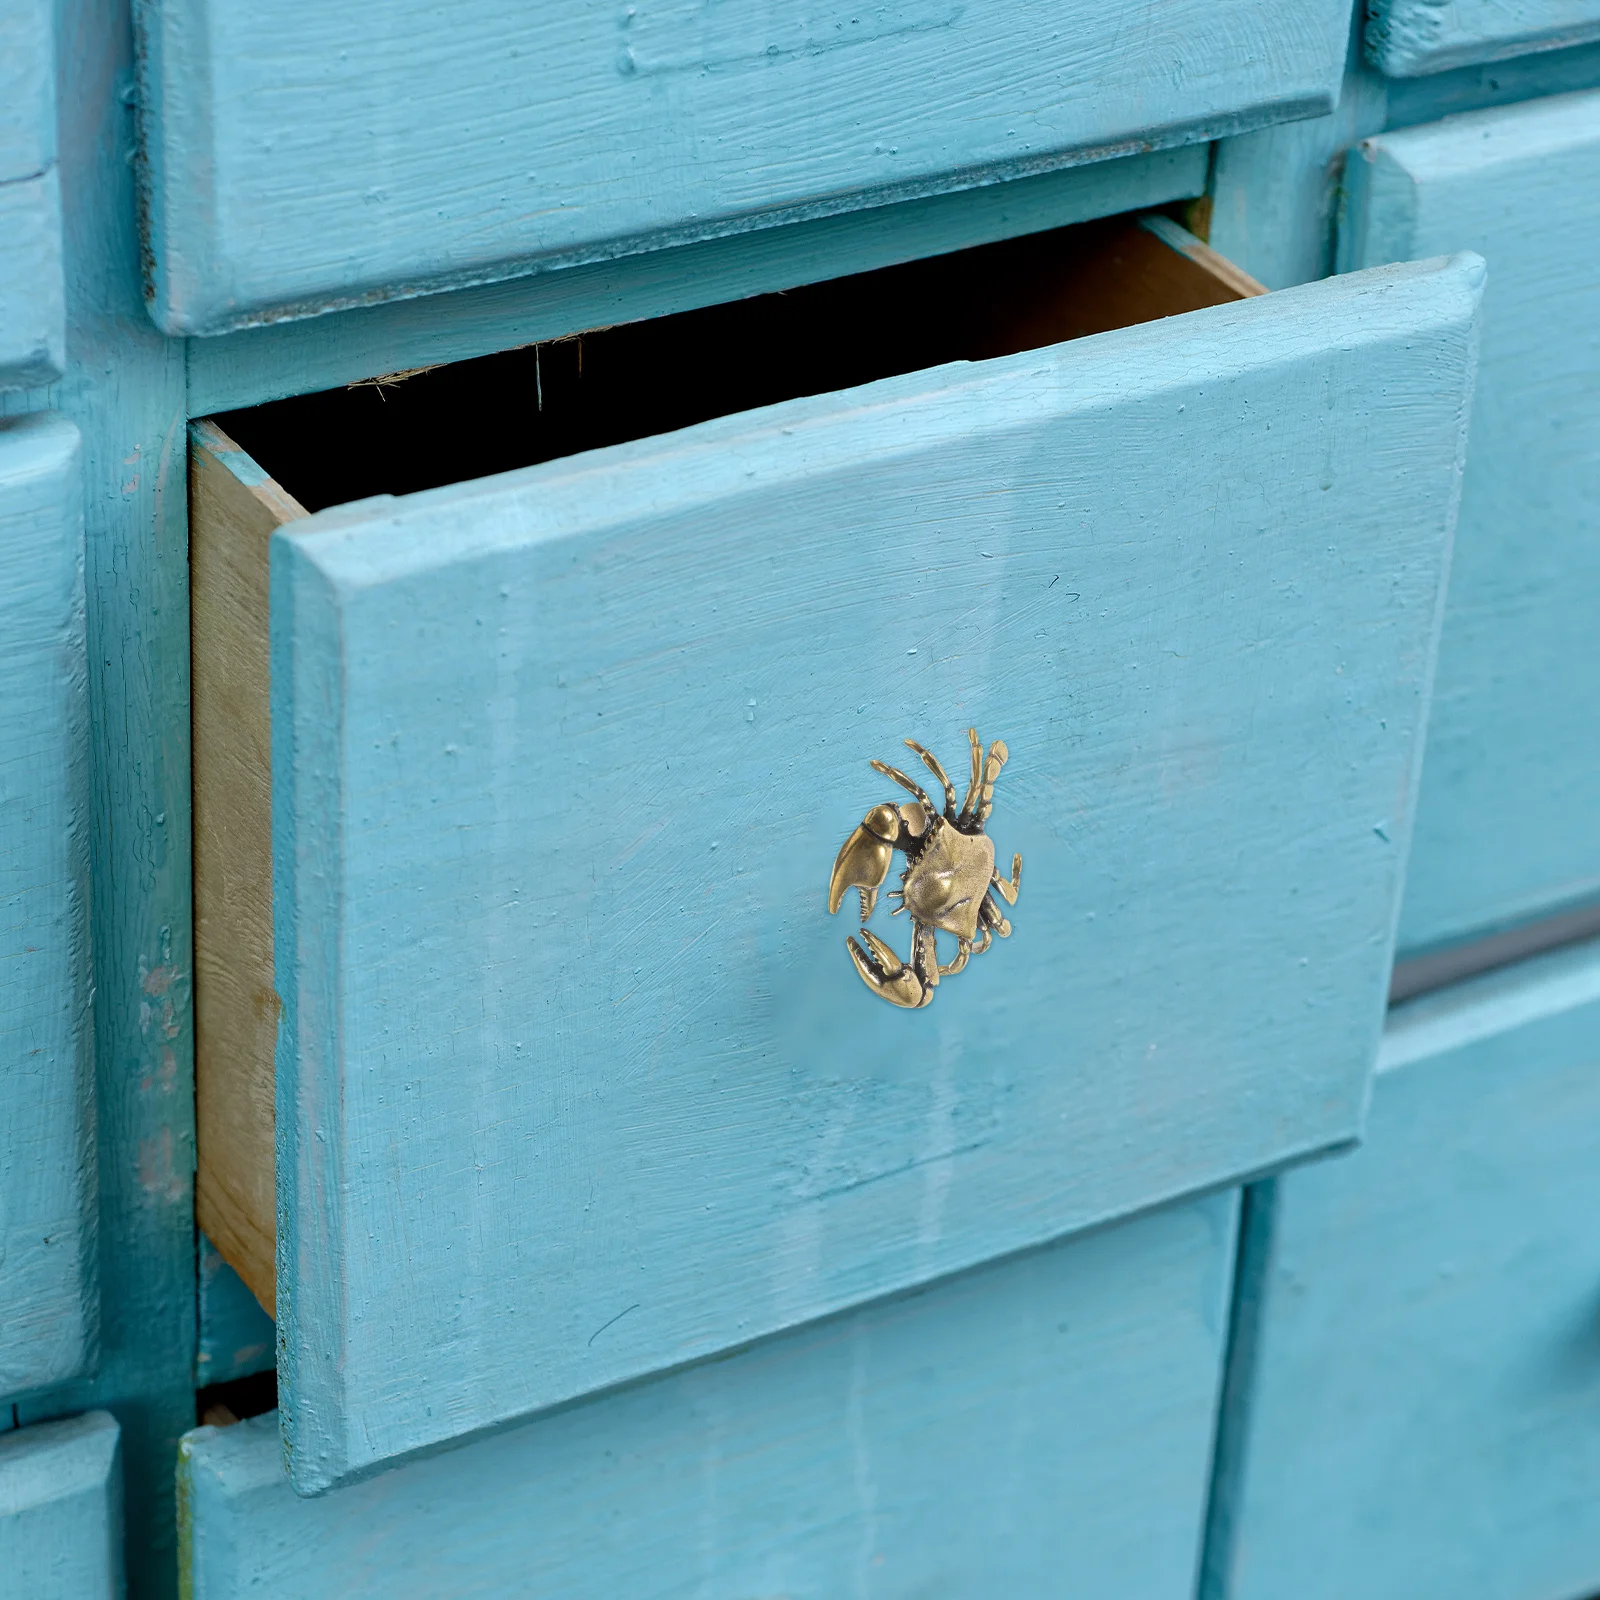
(1213, 263)
(234, 509)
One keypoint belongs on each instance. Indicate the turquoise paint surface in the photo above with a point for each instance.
(48, 1287)
(1426, 1409)
(236, 1336)
(1042, 1426)
(302, 159)
(576, 1082)
(32, 315)
(61, 1510)
(123, 389)
(1407, 38)
(1507, 826)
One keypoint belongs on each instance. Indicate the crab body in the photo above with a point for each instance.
(949, 881)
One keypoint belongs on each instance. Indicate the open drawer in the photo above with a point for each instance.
(576, 1079)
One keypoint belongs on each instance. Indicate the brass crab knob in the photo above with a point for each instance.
(949, 882)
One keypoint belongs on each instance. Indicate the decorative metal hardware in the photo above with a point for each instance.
(948, 885)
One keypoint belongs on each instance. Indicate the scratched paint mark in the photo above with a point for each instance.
(704, 35)
(158, 1174)
(612, 1323)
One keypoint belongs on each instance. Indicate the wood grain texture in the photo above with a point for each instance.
(365, 161)
(123, 389)
(574, 1081)
(1508, 827)
(234, 510)
(258, 364)
(48, 1303)
(236, 1335)
(1407, 38)
(1038, 1427)
(1426, 1415)
(61, 1510)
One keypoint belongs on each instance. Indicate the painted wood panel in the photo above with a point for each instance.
(61, 1510)
(123, 390)
(1406, 38)
(301, 159)
(1425, 1415)
(47, 1173)
(32, 288)
(236, 1335)
(32, 314)
(1038, 1427)
(27, 89)
(575, 1081)
(1507, 826)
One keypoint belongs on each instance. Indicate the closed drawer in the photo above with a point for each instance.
(1038, 1427)
(576, 1079)
(61, 1509)
(1507, 826)
(1407, 38)
(304, 158)
(47, 1276)
(32, 298)
(1425, 1409)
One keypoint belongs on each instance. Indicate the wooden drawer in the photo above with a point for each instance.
(32, 297)
(301, 158)
(47, 1266)
(1407, 38)
(61, 1510)
(1038, 1427)
(575, 1077)
(1507, 826)
(1425, 1406)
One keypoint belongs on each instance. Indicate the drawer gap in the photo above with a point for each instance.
(402, 433)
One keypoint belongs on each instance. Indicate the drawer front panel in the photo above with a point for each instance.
(32, 296)
(575, 1080)
(61, 1510)
(301, 158)
(1039, 1427)
(27, 89)
(1426, 1403)
(1406, 38)
(1507, 826)
(47, 1279)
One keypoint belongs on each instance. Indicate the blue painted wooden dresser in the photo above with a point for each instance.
(483, 486)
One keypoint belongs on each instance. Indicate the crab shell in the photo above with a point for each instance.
(945, 885)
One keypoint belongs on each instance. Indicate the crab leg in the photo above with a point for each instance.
(906, 783)
(930, 761)
(963, 953)
(1008, 891)
(993, 917)
(997, 759)
(969, 805)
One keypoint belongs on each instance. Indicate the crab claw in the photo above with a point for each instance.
(885, 973)
(863, 863)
